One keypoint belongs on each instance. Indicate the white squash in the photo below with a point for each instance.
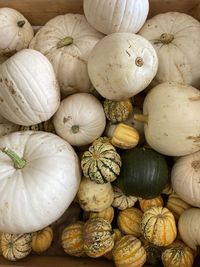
(38, 185)
(15, 31)
(109, 16)
(176, 39)
(29, 93)
(185, 178)
(67, 41)
(121, 65)
(7, 126)
(80, 119)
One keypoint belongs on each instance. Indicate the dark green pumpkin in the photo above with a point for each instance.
(144, 173)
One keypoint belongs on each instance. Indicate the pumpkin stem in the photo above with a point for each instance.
(21, 23)
(75, 129)
(19, 163)
(139, 62)
(65, 42)
(141, 118)
(166, 38)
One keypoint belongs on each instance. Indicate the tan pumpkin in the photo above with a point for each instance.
(107, 214)
(117, 234)
(146, 204)
(42, 240)
(122, 201)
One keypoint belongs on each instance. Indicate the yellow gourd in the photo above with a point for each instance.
(42, 240)
(146, 204)
(117, 234)
(107, 214)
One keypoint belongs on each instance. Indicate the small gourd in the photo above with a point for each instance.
(117, 234)
(122, 201)
(107, 214)
(46, 126)
(146, 204)
(42, 240)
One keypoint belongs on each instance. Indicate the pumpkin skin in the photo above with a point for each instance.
(28, 96)
(158, 226)
(125, 75)
(59, 181)
(122, 201)
(144, 173)
(146, 204)
(15, 246)
(107, 214)
(42, 240)
(7, 127)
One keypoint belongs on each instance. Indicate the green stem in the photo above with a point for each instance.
(21, 23)
(75, 129)
(19, 163)
(141, 118)
(65, 42)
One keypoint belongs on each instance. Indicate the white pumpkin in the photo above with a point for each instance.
(185, 178)
(80, 119)
(29, 93)
(7, 126)
(15, 31)
(176, 39)
(121, 65)
(38, 185)
(109, 16)
(67, 41)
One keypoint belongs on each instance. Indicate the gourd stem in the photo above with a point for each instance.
(166, 38)
(141, 118)
(65, 42)
(75, 129)
(21, 23)
(19, 163)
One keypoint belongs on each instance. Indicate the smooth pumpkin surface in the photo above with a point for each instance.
(42, 240)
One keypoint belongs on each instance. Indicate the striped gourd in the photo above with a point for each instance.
(116, 236)
(122, 201)
(46, 126)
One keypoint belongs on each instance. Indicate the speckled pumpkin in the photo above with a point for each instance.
(15, 246)
(72, 239)
(98, 239)
(107, 214)
(129, 252)
(158, 226)
(129, 221)
(146, 204)
(101, 163)
(122, 201)
(117, 234)
(42, 240)
(46, 126)
(102, 139)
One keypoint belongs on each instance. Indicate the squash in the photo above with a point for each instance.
(116, 236)
(41, 240)
(185, 178)
(72, 239)
(94, 197)
(168, 189)
(115, 15)
(129, 252)
(97, 237)
(129, 221)
(15, 246)
(144, 173)
(28, 95)
(171, 34)
(178, 255)
(80, 119)
(67, 40)
(122, 201)
(107, 214)
(121, 65)
(170, 110)
(39, 178)
(146, 204)
(46, 126)
(16, 31)
(101, 163)
(7, 127)
(158, 226)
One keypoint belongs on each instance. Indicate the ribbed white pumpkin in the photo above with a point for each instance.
(67, 41)
(36, 195)
(80, 119)
(15, 31)
(109, 16)
(7, 126)
(29, 92)
(121, 65)
(176, 39)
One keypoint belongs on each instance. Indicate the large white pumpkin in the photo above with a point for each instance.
(67, 41)
(7, 126)
(109, 16)
(37, 194)
(29, 92)
(121, 65)
(176, 39)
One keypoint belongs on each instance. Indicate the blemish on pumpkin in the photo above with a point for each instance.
(10, 86)
(195, 98)
(195, 139)
(128, 53)
(66, 119)
(1, 80)
(1, 99)
(196, 165)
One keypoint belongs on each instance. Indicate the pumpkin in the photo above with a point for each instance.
(16, 31)
(40, 176)
(7, 127)
(178, 255)
(115, 15)
(107, 214)
(158, 226)
(97, 237)
(170, 110)
(46, 126)
(144, 173)
(171, 34)
(146, 204)
(128, 251)
(125, 137)
(15, 246)
(80, 119)
(101, 163)
(185, 178)
(28, 95)
(122, 201)
(129, 221)
(116, 236)
(67, 41)
(94, 197)
(42, 240)
(121, 65)
(72, 239)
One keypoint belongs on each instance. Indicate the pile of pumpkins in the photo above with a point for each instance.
(102, 109)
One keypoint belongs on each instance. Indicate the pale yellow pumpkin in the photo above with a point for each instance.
(42, 240)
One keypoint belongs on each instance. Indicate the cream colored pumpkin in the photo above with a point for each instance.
(67, 41)
(176, 39)
(80, 119)
(121, 65)
(7, 126)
